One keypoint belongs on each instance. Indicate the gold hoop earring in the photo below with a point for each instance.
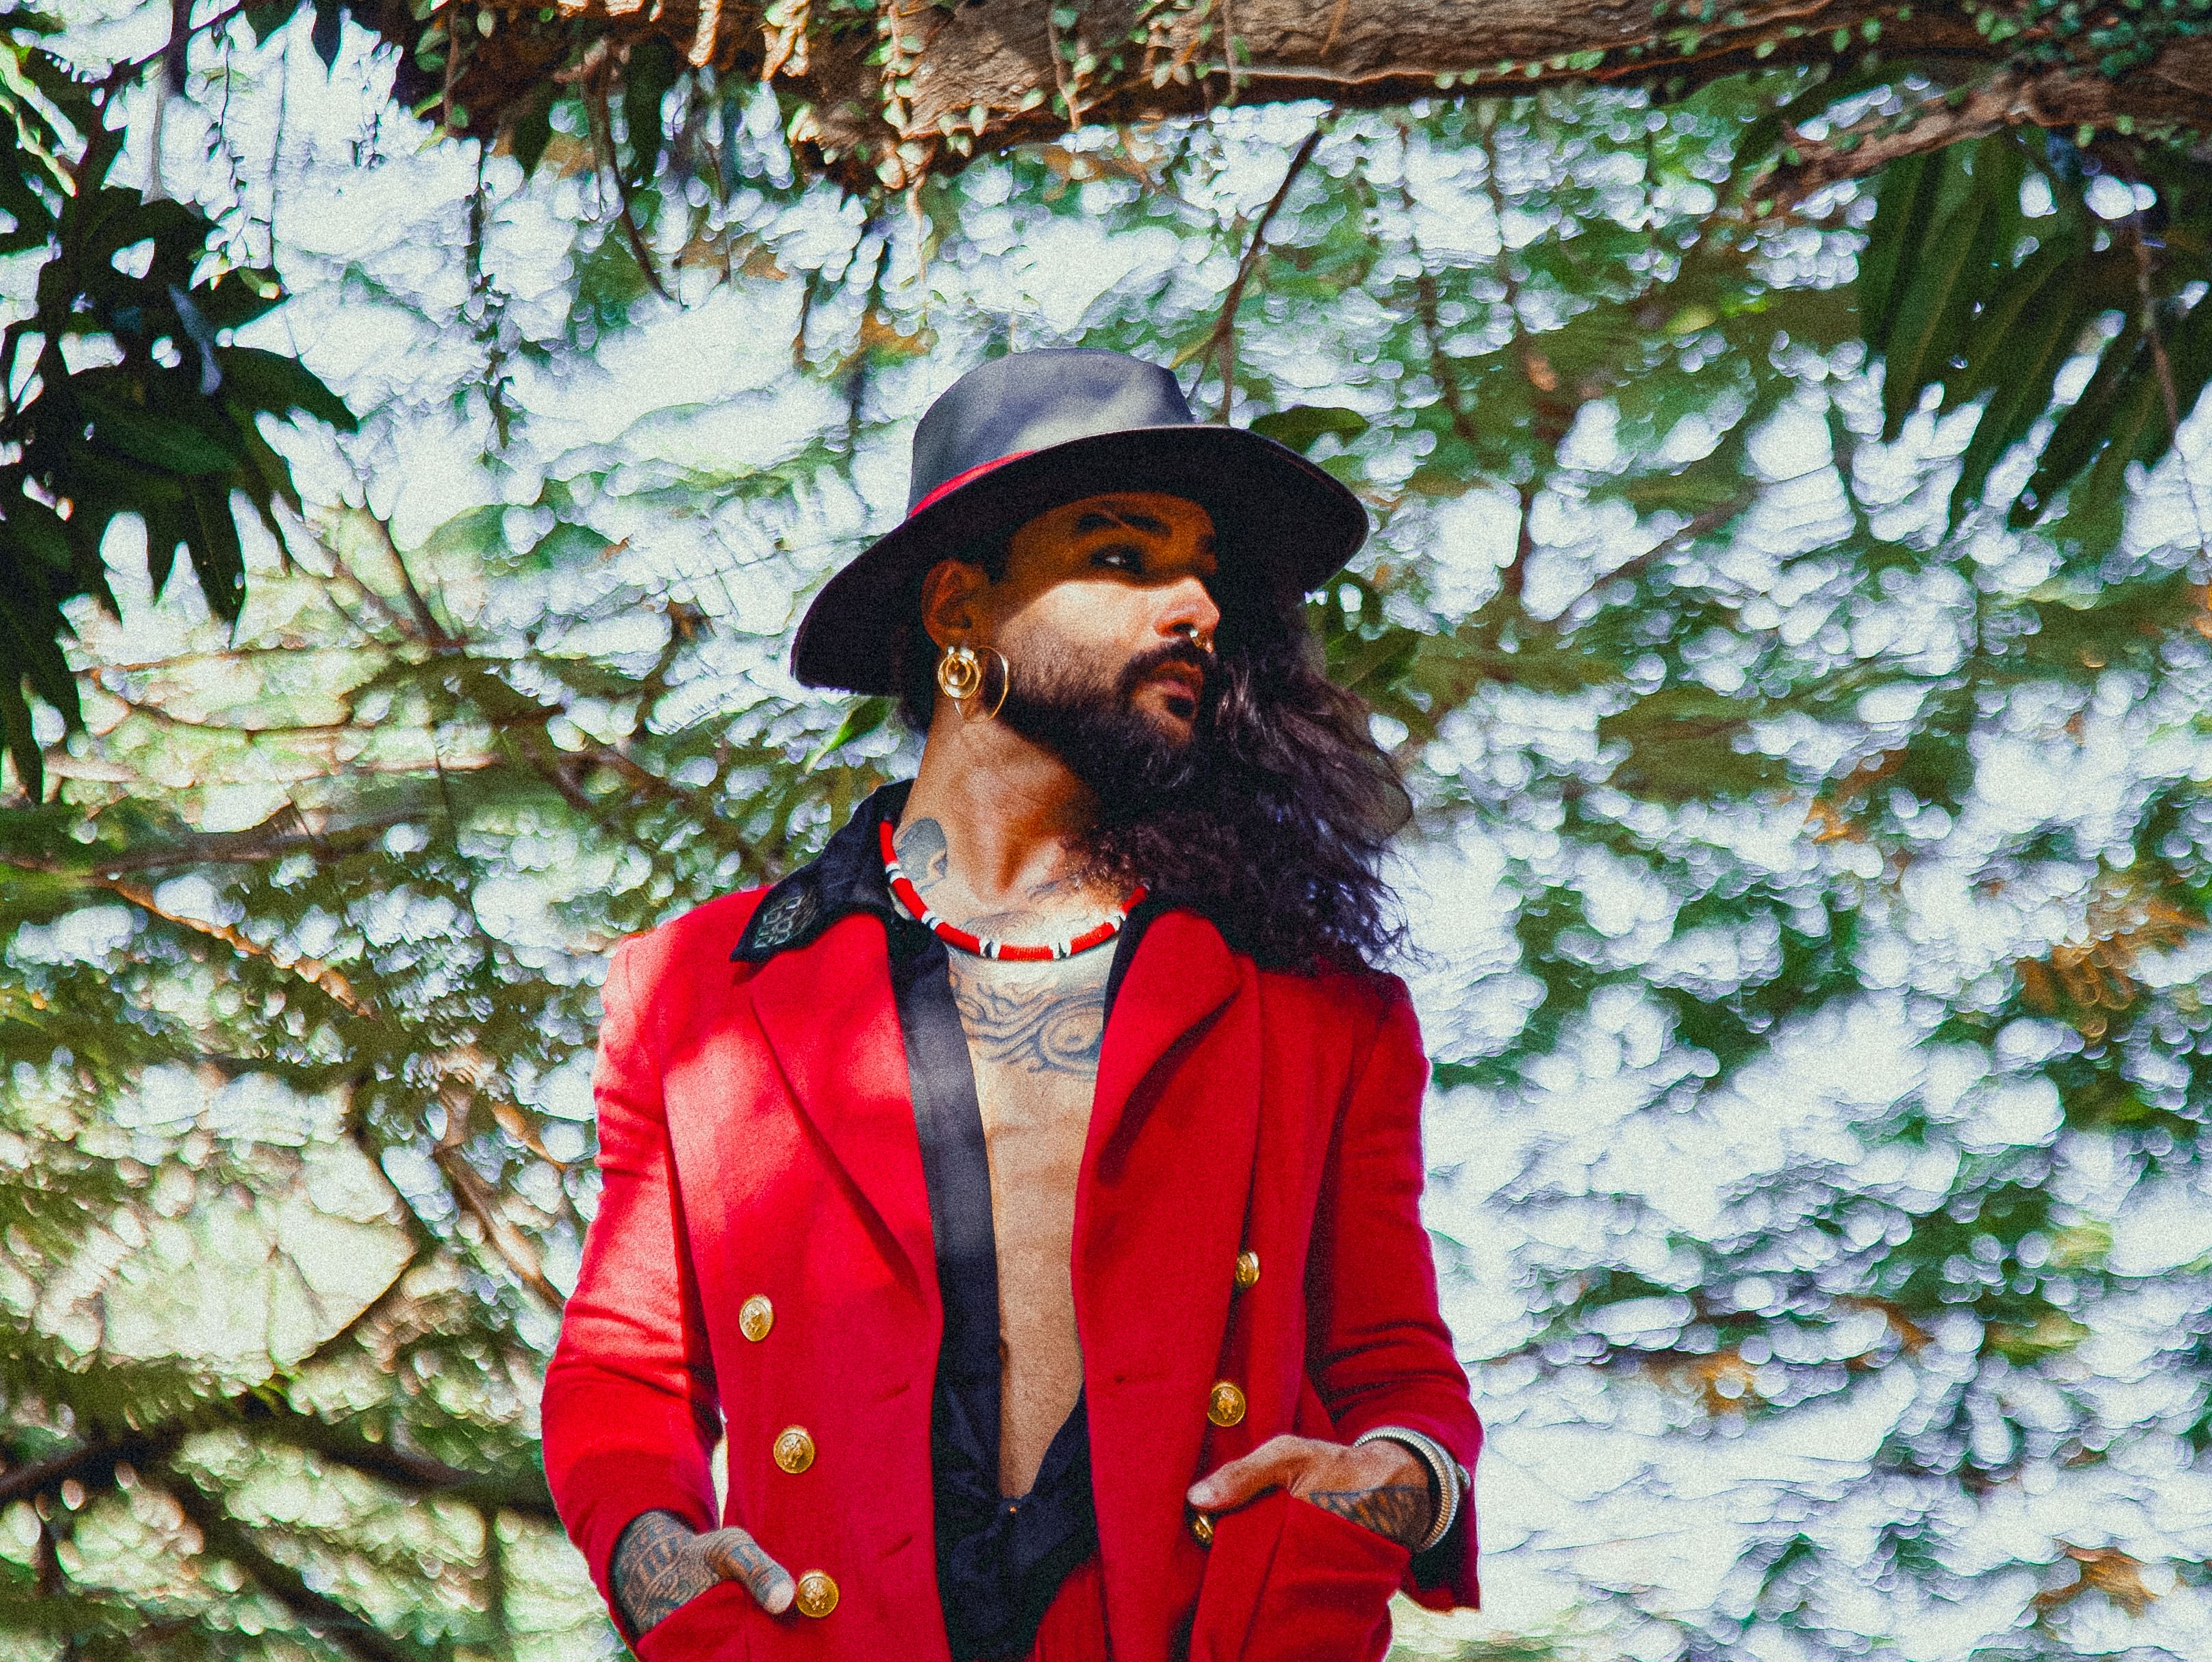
(1005, 681)
(959, 674)
(960, 678)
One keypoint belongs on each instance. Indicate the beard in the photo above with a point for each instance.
(1091, 722)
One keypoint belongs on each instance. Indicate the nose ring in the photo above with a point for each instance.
(1189, 632)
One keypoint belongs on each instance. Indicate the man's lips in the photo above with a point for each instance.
(1188, 677)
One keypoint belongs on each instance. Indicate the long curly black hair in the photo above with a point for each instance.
(1273, 821)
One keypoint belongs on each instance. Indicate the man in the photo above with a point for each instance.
(1028, 1187)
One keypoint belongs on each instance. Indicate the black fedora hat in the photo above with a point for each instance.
(1033, 431)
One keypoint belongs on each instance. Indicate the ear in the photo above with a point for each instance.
(949, 594)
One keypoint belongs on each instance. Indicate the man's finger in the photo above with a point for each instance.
(1272, 1465)
(736, 1557)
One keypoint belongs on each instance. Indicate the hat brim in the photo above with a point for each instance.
(1279, 520)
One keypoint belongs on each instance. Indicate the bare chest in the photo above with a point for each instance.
(1033, 1033)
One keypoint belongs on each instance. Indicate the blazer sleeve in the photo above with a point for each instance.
(1379, 1352)
(630, 1414)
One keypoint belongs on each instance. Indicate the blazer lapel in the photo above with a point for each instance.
(828, 1012)
(1161, 1200)
(1160, 1213)
(1183, 974)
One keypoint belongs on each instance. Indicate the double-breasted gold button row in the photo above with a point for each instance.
(793, 1452)
(1224, 1401)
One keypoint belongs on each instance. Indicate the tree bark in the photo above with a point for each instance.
(886, 98)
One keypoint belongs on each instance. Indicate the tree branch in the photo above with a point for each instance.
(476, 1199)
(254, 846)
(462, 1074)
(92, 1463)
(322, 1615)
(312, 971)
(1223, 340)
(992, 60)
(525, 1493)
(1866, 147)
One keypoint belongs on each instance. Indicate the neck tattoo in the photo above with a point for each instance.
(983, 946)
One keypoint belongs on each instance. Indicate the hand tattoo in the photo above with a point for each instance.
(657, 1566)
(1403, 1512)
(736, 1557)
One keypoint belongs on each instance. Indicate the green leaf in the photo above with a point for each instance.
(651, 71)
(20, 737)
(529, 126)
(1903, 214)
(1946, 279)
(2140, 428)
(2082, 431)
(1682, 746)
(159, 439)
(863, 718)
(39, 532)
(267, 479)
(27, 647)
(2039, 291)
(265, 20)
(1373, 666)
(168, 528)
(2124, 624)
(258, 380)
(217, 558)
(2018, 364)
(1302, 425)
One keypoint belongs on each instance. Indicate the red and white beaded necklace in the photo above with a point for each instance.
(983, 946)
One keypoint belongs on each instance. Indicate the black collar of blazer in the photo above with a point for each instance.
(848, 877)
(845, 877)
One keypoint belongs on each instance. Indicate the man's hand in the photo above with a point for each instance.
(659, 1564)
(1382, 1486)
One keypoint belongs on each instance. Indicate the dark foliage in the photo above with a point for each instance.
(164, 428)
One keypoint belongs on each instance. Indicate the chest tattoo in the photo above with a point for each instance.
(1039, 1020)
(1044, 1024)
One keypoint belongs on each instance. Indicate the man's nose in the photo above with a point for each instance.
(1190, 612)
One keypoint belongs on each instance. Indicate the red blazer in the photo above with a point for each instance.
(756, 1136)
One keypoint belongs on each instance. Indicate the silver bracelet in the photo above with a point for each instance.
(1448, 1473)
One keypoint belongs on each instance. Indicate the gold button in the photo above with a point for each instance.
(1201, 1529)
(1247, 1268)
(1225, 1405)
(794, 1452)
(817, 1595)
(754, 1316)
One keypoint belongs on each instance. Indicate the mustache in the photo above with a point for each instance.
(1173, 651)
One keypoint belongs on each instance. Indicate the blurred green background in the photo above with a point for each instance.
(1791, 611)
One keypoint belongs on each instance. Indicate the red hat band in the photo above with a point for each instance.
(960, 479)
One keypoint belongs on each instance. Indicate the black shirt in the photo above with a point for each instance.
(999, 1560)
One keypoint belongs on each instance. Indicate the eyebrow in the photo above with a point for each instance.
(1102, 519)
